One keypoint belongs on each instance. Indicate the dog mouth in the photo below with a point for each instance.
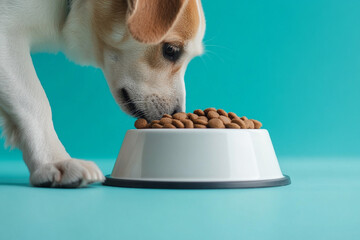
(129, 104)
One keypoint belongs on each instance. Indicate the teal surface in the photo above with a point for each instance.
(321, 203)
(294, 65)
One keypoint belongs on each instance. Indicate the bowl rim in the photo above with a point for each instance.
(161, 184)
(177, 130)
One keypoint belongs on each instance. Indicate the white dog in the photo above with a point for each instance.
(143, 47)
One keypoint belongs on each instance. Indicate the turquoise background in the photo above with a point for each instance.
(322, 202)
(294, 65)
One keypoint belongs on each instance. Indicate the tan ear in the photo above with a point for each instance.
(149, 20)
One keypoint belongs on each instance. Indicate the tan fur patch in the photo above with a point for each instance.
(187, 25)
(184, 30)
(175, 69)
(106, 15)
(152, 19)
(153, 56)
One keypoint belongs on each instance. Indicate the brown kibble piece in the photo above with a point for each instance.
(209, 109)
(215, 123)
(257, 124)
(180, 115)
(232, 115)
(232, 125)
(244, 118)
(177, 123)
(165, 120)
(168, 125)
(240, 122)
(140, 123)
(212, 114)
(249, 124)
(199, 112)
(200, 121)
(187, 123)
(224, 119)
(222, 112)
(199, 126)
(167, 116)
(192, 116)
(154, 121)
(203, 118)
(156, 125)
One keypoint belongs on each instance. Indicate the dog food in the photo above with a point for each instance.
(208, 118)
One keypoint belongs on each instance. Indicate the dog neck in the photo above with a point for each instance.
(79, 43)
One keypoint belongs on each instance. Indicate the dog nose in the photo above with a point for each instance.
(176, 110)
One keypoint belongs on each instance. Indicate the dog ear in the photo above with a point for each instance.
(149, 20)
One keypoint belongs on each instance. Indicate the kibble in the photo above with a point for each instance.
(239, 122)
(155, 121)
(168, 125)
(212, 114)
(224, 119)
(156, 125)
(232, 115)
(244, 118)
(257, 124)
(232, 125)
(208, 118)
(167, 116)
(215, 123)
(199, 112)
(200, 121)
(203, 118)
(180, 115)
(177, 123)
(249, 124)
(222, 112)
(192, 116)
(165, 120)
(140, 123)
(209, 109)
(188, 123)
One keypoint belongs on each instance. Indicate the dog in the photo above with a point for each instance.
(142, 46)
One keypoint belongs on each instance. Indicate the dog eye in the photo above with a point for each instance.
(171, 52)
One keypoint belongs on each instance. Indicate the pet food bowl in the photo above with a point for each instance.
(197, 158)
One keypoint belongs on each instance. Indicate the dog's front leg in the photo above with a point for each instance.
(28, 123)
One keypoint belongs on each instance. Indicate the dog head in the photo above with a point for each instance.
(144, 47)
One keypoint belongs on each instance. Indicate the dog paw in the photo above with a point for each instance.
(71, 173)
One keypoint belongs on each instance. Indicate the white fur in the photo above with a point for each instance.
(39, 25)
(27, 122)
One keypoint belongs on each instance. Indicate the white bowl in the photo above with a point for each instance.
(197, 158)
